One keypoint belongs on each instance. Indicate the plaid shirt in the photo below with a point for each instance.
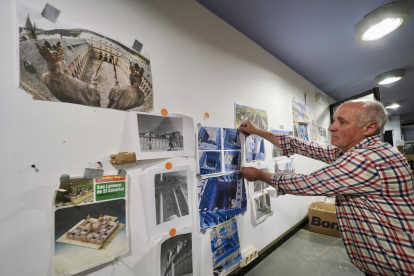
(373, 185)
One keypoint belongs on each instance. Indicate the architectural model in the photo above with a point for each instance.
(92, 232)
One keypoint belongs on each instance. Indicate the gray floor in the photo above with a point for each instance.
(307, 253)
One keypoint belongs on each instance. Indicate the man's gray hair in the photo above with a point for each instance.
(373, 111)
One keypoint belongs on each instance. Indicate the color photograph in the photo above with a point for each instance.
(64, 62)
(231, 139)
(277, 152)
(210, 162)
(246, 113)
(255, 149)
(209, 138)
(75, 191)
(220, 199)
(232, 160)
(88, 235)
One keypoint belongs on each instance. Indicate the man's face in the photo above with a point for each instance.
(345, 132)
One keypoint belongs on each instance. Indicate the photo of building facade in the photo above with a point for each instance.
(231, 139)
(232, 160)
(255, 149)
(262, 206)
(210, 162)
(209, 138)
(177, 256)
(171, 196)
(73, 65)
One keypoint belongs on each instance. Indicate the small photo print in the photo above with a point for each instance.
(220, 199)
(75, 191)
(225, 246)
(158, 133)
(277, 152)
(232, 160)
(209, 138)
(210, 162)
(231, 139)
(171, 196)
(262, 206)
(302, 131)
(177, 256)
(246, 113)
(255, 149)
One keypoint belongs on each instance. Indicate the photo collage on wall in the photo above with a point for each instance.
(219, 150)
(63, 62)
(90, 223)
(220, 198)
(254, 145)
(225, 246)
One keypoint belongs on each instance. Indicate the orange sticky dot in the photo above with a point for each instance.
(173, 231)
(168, 165)
(164, 112)
(262, 192)
(206, 115)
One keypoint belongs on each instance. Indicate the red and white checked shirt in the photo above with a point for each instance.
(373, 185)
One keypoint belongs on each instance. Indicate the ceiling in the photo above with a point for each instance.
(316, 39)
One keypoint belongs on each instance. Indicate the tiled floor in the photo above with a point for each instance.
(307, 253)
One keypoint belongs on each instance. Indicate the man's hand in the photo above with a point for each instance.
(248, 128)
(251, 174)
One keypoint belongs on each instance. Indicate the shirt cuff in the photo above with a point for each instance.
(285, 144)
(275, 183)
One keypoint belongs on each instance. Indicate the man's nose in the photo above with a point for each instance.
(331, 128)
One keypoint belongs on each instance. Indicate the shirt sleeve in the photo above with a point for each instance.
(291, 145)
(352, 174)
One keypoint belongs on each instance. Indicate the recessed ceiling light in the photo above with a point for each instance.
(393, 106)
(390, 77)
(382, 21)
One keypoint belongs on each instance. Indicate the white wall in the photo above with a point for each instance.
(199, 63)
(394, 124)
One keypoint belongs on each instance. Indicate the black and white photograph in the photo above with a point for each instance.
(232, 160)
(177, 256)
(262, 207)
(61, 61)
(256, 187)
(171, 196)
(158, 133)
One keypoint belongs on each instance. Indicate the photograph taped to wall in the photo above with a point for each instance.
(169, 199)
(302, 131)
(246, 113)
(232, 159)
(285, 166)
(64, 62)
(257, 186)
(177, 256)
(299, 112)
(76, 191)
(255, 149)
(220, 199)
(225, 246)
(89, 235)
(157, 136)
(261, 207)
(209, 138)
(231, 139)
(210, 162)
(277, 152)
(322, 134)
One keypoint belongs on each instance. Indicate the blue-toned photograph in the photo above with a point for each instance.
(232, 160)
(220, 199)
(231, 139)
(255, 150)
(209, 138)
(210, 162)
(225, 246)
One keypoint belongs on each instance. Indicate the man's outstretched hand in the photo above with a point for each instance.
(248, 128)
(251, 174)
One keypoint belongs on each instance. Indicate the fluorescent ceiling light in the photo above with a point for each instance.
(393, 106)
(382, 21)
(390, 77)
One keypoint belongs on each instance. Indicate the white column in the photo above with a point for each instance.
(161, 208)
(176, 202)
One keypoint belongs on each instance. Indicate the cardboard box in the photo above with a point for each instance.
(322, 219)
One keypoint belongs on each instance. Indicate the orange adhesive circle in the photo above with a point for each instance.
(168, 165)
(206, 115)
(173, 231)
(164, 112)
(262, 192)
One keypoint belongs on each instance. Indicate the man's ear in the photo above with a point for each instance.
(370, 129)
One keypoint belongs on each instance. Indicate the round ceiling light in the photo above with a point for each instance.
(390, 77)
(382, 21)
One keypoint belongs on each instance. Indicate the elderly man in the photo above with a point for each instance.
(372, 182)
